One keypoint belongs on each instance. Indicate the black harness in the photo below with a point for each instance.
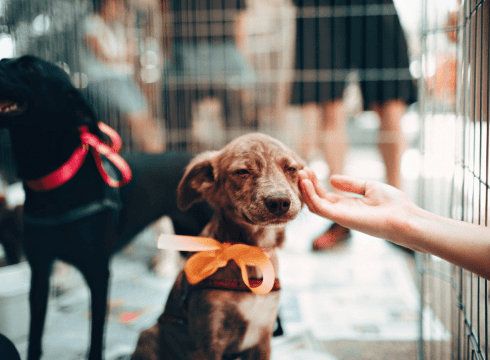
(110, 201)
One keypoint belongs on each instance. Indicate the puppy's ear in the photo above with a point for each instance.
(198, 181)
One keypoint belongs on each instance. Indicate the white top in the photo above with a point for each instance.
(113, 40)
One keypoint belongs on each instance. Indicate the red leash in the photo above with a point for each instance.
(75, 162)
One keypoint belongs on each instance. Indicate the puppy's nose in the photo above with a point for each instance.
(277, 204)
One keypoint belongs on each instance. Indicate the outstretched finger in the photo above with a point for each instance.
(322, 206)
(319, 189)
(348, 184)
(310, 196)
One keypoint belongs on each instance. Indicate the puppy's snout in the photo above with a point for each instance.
(278, 204)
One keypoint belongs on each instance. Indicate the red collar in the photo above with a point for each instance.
(235, 285)
(209, 284)
(75, 162)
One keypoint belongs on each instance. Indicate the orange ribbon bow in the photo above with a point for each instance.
(212, 255)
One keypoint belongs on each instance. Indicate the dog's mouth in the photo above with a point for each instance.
(10, 107)
(266, 222)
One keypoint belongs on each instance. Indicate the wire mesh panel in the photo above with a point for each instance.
(224, 67)
(195, 74)
(110, 49)
(455, 182)
(193, 67)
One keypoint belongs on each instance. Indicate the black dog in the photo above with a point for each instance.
(83, 221)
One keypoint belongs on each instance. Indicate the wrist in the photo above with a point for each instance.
(410, 226)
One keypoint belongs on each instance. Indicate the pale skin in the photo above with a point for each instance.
(383, 211)
(333, 138)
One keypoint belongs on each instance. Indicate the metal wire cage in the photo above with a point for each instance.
(177, 92)
(455, 181)
(453, 102)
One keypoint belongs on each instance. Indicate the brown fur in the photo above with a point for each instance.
(252, 183)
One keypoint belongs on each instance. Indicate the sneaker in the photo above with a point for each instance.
(334, 235)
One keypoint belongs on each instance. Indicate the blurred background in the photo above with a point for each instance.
(395, 91)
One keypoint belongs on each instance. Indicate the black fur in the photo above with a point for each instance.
(44, 134)
(11, 232)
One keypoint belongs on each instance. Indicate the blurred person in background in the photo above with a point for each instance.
(355, 35)
(206, 40)
(108, 60)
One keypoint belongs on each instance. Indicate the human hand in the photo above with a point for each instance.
(371, 207)
(383, 211)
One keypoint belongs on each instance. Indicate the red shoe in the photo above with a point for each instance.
(334, 235)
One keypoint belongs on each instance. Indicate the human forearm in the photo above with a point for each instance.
(461, 243)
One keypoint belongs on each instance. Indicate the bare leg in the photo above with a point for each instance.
(335, 146)
(334, 142)
(311, 119)
(391, 142)
(146, 131)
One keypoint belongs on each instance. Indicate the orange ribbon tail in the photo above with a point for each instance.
(213, 255)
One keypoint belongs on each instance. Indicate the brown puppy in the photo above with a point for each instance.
(252, 183)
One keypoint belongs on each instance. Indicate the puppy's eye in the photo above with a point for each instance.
(242, 172)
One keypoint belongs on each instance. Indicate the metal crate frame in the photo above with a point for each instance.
(459, 298)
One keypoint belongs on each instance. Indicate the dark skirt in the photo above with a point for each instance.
(337, 37)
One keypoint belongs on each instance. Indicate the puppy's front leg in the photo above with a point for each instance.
(205, 355)
(262, 351)
(210, 345)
